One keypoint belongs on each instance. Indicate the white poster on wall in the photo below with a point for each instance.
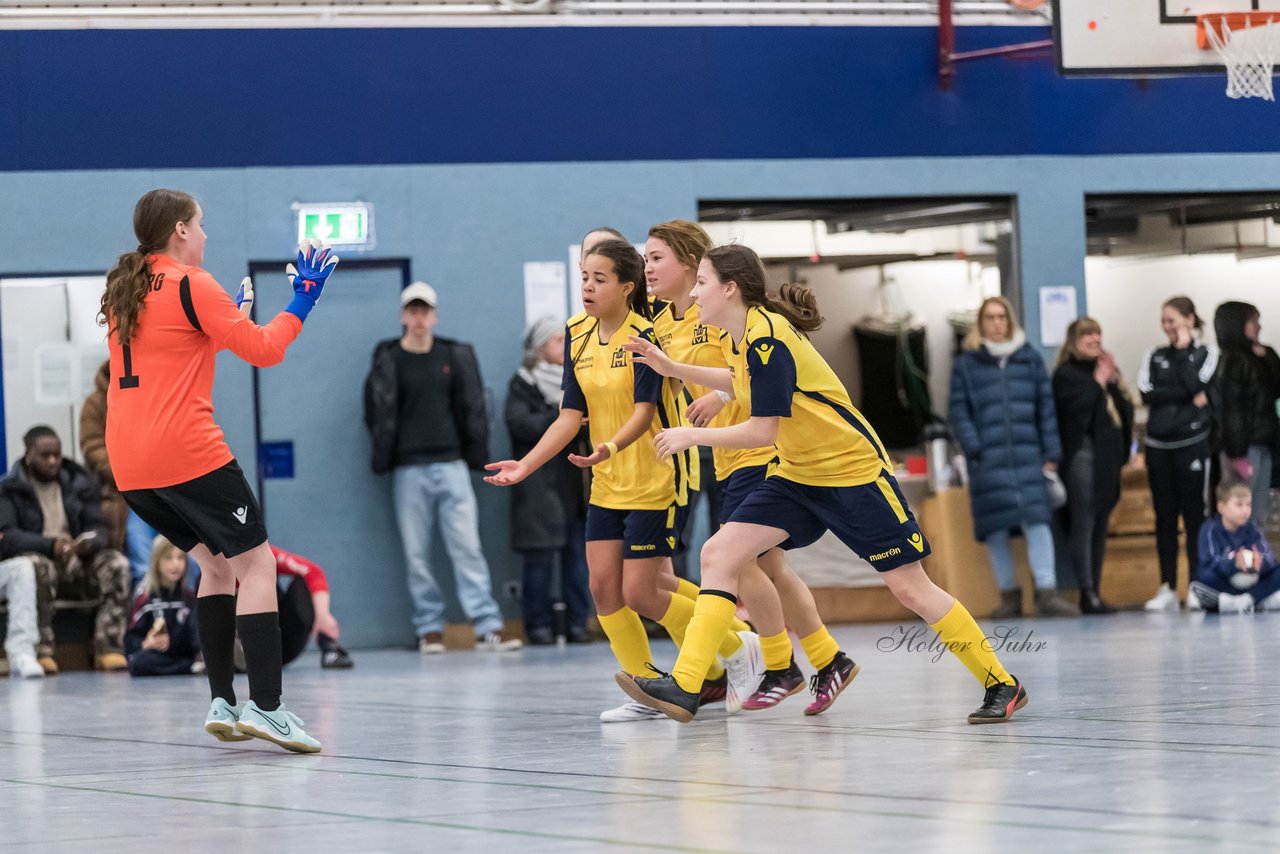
(1057, 311)
(545, 291)
(57, 374)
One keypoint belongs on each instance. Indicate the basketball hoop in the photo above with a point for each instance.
(1246, 43)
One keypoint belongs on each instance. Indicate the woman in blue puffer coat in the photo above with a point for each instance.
(1001, 411)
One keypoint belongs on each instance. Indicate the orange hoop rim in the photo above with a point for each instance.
(1221, 21)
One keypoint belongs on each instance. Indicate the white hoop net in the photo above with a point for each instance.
(1249, 55)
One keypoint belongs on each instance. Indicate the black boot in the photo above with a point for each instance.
(1010, 605)
(1091, 603)
(1000, 702)
(662, 693)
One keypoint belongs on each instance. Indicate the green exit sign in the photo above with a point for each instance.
(348, 225)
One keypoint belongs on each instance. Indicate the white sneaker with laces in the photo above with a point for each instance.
(628, 712)
(25, 667)
(1240, 603)
(221, 720)
(494, 642)
(745, 669)
(1164, 600)
(281, 727)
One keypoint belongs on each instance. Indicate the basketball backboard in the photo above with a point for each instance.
(1139, 38)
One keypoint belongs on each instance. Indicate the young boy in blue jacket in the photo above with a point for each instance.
(1237, 570)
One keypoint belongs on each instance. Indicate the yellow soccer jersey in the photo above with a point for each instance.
(601, 382)
(688, 341)
(682, 338)
(822, 440)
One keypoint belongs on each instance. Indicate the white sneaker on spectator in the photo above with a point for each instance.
(1193, 601)
(628, 712)
(1240, 603)
(495, 642)
(745, 669)
(26, 667)
(1271, 603)
(1164, 600)
(432, 643)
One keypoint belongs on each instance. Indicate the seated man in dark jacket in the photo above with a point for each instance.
(51, 512)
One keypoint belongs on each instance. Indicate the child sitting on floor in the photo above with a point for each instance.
(1237, 570)
(162, 639)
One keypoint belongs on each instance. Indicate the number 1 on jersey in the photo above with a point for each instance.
(130, 379)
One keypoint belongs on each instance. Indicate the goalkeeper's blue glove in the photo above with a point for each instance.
(315, 263)
(244, 296)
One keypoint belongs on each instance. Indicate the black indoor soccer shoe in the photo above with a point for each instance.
(1000, 703)
(662, 693)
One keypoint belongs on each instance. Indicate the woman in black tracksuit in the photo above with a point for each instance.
(1174, 381)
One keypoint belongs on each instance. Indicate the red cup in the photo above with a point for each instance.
(917, 465)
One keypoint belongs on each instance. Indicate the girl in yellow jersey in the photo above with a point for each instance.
(631, 515)
(833, 474)
(774, 595)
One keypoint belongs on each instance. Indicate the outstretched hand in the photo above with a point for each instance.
(645, 352)
(600, 455)
(244, 296)
(506, 472)
(315, 262)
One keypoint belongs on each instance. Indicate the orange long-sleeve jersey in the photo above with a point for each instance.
(160, 427)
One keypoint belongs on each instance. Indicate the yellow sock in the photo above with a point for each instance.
(731, 644)
(628, 641)
(711, 617)
(777, 651)
(820, 647)
(962, 636)
(676, 622)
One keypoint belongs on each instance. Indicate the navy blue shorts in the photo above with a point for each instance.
(735, 488)
(644, 533)
(872, 519)
(684, 523)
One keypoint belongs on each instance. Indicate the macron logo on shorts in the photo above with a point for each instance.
(241, 514)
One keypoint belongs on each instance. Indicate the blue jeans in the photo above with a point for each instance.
(539, 569)
(1039, 555)
(423, 492)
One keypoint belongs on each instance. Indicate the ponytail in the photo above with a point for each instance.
(125, 296)
(798, 305)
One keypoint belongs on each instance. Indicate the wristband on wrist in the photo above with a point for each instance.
(613, 448)
(725, 397)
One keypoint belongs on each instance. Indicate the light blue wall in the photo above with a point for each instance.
(468, 230)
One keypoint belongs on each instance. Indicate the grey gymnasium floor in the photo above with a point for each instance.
(1144, 733)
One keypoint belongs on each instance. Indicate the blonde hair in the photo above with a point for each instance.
(973, 340)
(688, 240)
(160, 549)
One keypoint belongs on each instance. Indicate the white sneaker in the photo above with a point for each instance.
(745, 669)
(628, 712)
(1164, 600)
(221, 720)
(1271, 603)
(1193, 601)
(1240, 603)
(432, 643)
(281, 727)
(494, 642)
(26, 667)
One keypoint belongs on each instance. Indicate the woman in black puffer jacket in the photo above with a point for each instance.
(1174, 382)
(1245, 388)
(1095, 421)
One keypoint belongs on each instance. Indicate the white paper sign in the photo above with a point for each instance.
(57, 375)
(1057, 311)
(544, 291)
